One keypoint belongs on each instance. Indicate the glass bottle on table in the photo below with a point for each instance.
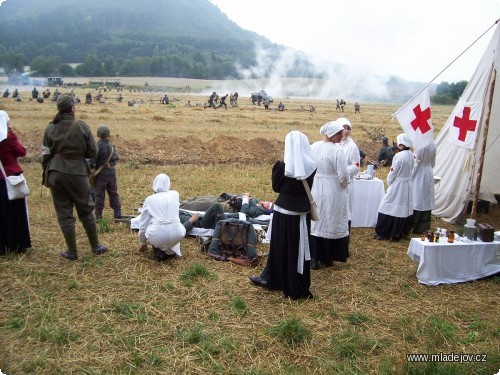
(451, 236)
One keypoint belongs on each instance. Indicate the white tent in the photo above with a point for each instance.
(458, 165)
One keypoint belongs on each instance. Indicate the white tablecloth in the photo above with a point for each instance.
(365, 196)
(445, 263)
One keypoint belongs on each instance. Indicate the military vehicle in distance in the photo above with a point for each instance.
(254, 96)
(54, 81)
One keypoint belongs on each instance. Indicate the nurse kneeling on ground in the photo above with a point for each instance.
(160, 224)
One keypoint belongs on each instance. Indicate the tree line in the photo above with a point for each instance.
(205, 66)
(449, 93)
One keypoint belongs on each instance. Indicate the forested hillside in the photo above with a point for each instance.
(148, 37)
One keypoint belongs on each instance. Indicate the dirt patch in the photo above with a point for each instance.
(164, 150)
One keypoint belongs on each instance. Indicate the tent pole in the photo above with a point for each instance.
(483, 149)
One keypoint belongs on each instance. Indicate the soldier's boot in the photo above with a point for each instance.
(70, 239)
(91, 230)
(117, 213)
(98, 214)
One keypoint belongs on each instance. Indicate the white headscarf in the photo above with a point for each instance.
(161, 183)
(402, 139)
(299, 160)
(4, 121)
(331, 128)
(343, 121)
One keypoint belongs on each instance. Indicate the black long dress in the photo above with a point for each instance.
(281, 268)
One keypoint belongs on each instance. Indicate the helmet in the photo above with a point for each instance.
(103, 131)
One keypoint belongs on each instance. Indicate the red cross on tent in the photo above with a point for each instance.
(463, 129)
(415, 119)
(464, 124)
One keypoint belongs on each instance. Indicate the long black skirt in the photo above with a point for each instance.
(421, 221)
(283, 255)
(327, 250)
(14, 224)
(392, 227)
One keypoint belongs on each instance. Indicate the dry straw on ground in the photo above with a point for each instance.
(125, 313)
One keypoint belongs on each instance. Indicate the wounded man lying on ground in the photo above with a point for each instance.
(232, 203)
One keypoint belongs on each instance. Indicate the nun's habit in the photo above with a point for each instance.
(329, 235)
(288, 265)
(160, 223)
(396, 209)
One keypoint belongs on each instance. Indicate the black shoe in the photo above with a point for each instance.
(379, 238)
(100, 249)
(68, 255)
(314, 264)
(257, 280)
(162, 256)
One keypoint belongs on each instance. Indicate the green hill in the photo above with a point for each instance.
(147, 37)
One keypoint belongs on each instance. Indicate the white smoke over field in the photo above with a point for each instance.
(333, 81)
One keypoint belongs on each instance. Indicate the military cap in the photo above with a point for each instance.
(65, 102)
(103, 131)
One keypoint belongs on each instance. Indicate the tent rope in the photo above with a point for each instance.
(441, 72)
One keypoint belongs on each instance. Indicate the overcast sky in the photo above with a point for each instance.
(415, 40)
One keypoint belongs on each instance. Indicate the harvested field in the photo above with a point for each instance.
(125, 313)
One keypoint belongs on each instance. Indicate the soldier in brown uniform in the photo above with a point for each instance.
(66, 143)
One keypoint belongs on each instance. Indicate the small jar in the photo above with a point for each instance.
(423, 237)
(451, 236)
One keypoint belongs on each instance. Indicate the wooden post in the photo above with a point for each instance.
(483, 148)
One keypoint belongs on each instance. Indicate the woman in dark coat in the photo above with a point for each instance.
(14, 224)
(288, 265)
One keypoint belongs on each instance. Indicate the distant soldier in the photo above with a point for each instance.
(211, 101)
(34, 93)
(253, 98)
(281, 107)
(338, 105)
(46, 94)
(357, 108)
(222, 102)
(266, 103)
(235, 99)
(15, 94)
(88, 98)
(6, 93)
(165, 100)
(342, 104)
(55, 96)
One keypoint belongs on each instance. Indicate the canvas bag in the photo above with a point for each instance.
(17, 187)
(314, 207)
(234, 240)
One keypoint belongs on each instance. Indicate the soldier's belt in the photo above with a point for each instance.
(60, 155)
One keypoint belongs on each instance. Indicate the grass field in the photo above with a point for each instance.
(123, 313)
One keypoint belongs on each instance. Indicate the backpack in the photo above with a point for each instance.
(234, 240)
